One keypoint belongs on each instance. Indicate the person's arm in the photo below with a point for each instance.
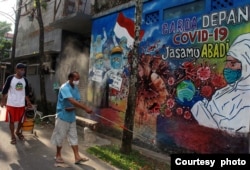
(27, 91)
(114, 40)
(202, 113)
(29, 104)
(3, 100)
(79, 105)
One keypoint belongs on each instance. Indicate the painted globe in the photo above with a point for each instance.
(185, 90)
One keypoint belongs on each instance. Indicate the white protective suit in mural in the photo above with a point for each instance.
(229, 108)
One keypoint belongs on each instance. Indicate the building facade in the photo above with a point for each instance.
(66, 36)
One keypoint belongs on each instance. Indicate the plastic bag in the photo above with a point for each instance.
(2, 113)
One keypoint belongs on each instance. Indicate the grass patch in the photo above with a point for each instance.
(134, 161)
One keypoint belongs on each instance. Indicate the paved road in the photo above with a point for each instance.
(37, 153)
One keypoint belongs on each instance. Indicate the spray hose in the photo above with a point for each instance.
(123, 127)
(119, 125)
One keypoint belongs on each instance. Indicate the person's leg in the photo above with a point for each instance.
(20, 124)
(58, 135)
(76, 152)
(73, 140)
(58, 154)
(77, 155)
(78, 158)
(12, 129)
(19, 132)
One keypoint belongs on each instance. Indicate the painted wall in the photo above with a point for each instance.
(187, 100)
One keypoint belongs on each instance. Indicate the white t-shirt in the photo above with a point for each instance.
(16, 93)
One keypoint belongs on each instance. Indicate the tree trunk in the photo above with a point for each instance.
(18, 15)
(127, 136)
(44, 107)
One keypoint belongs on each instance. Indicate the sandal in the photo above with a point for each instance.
(81, 161)
(20, 136)
(13, 141)
(59, 160)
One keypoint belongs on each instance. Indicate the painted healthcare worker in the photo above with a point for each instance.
(229, 108)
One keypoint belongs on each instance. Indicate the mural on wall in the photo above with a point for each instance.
(109, 69)
(193, 78)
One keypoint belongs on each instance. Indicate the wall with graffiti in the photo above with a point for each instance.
(193, 73)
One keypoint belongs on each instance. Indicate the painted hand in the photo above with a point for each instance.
(189, 103)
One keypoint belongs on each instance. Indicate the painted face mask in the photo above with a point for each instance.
(231, 76)
(99, 64)
(116, 61)
(76, 82)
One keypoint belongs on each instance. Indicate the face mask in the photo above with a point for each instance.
(231, 76)
(22, 73)
(76, 82)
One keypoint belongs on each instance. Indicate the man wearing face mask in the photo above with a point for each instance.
(229, 108)
(15, 94)
(65, 125)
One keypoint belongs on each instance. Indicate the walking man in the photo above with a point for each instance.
(15, 96)
(65, 125)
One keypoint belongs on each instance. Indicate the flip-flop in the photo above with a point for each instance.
(81, 161)
(59, 160)
(13, 141)
(63, 165)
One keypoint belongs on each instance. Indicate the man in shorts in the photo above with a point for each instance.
(15, 96)
(65, 125)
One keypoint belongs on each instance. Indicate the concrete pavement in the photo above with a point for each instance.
(37, 153)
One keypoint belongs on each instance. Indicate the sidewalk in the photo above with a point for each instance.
(37, 153)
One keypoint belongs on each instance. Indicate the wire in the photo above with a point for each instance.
(42, 117)
(121, 126)
(47, 116)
